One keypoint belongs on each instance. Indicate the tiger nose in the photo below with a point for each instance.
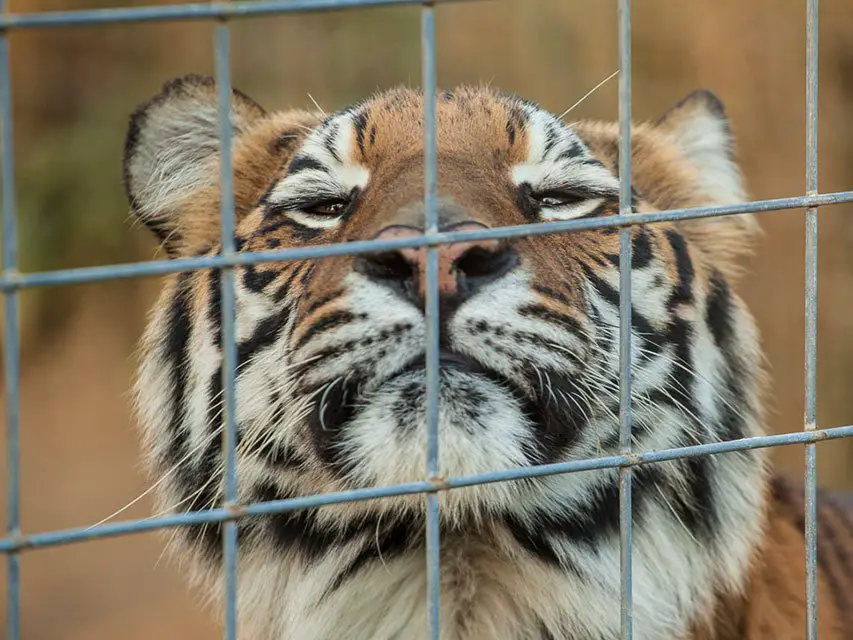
(463, 267)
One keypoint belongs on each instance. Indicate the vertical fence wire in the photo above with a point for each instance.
(11, 343)
(810, 421)
(625, 233)
(433, 550)
(222, 63)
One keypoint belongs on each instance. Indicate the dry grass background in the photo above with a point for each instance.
(73, 89)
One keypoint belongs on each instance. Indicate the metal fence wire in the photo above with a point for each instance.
(12, 282)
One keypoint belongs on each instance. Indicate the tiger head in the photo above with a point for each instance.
(330, 391)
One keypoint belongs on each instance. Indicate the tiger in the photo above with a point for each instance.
(330, 374)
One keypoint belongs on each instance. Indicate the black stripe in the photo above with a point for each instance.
(307, 273)
(299, 529)
(294, 529)
(552, 293)
(255, 279)
(588, 523)
(551, 138)
(558, 421)
(302, 162)
(302, 232)
(384, 546)
(208, 536)
(176, 355)
(516, 122)
(553, 317)
(681, 377)
(697, 510)
(278, 221)
(325, 323)
(284, 289)
(264, 335)
(592, 162)
(322, 301)
(718, 311)
(299, 231)
(575, 150)
(731, 424)
(652, 340)
(321, 356)
(359, 120)
(641, 251)
(683, 292)
(677, 390)
(214, 307)
(510, 132)
(584, 524)
(535, 543)
(330, 138)
(166, 235)
(539, 341)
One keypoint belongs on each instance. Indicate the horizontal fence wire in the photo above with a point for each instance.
(66, 536)
(162, 267)
(11, 281)
(193, 11)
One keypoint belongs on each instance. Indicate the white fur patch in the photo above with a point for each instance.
(569, 212)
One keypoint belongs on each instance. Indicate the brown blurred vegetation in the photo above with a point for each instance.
(73, 89)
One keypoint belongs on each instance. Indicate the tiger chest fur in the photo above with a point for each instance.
(330, 380)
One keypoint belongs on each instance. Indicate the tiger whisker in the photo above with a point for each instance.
(317, 105)
(588, 94)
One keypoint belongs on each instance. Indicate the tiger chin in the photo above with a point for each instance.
(330, 382)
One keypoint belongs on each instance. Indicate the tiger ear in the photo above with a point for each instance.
(699, 127)
(172, 149)
(700, 130)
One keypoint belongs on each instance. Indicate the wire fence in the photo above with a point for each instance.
(11, 282)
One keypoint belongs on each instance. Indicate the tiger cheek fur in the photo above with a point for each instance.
(330, 384)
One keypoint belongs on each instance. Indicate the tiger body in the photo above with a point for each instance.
(330, 388)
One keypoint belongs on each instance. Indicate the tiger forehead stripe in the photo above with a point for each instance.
(557, 160)
(359, 119)
(342, 145)
(327, 167)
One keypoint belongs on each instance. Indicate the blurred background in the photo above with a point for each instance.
(74, 88)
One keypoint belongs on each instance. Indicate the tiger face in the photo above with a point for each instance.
(331, 375)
